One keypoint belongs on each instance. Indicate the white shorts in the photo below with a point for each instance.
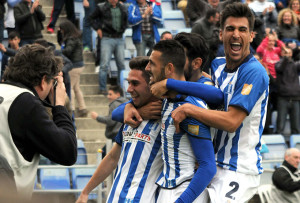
(232, 187)
(171, 195)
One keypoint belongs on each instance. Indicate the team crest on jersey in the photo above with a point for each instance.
(246, 89)
(193, 129)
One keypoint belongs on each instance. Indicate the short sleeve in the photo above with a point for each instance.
(119, 137)
(252, 85)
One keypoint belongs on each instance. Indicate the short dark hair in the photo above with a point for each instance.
(165, 32)
(211, 12)
(140, 63)
(172, 52)
(195, 46)
(13, 34)
(31, 63)
(237, 10)
(116, 89)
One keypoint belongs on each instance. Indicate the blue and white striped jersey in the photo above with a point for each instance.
(178, 156)
(139, 165)
(245, 87)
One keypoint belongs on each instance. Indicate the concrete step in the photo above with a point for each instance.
(102, 110)
(59, 20)
(88, 123)
(91, 135)
(46, 3)
(96, 100)
(50, 38)
(89, 67)
(90, 89)
(89, 57)
(89, 78)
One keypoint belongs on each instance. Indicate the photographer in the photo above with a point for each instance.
(26, 130)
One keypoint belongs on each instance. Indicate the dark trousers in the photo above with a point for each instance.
(287, 106)
(57, 7)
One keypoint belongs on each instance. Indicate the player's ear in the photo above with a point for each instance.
(197, 62)
(220, 35)
(169, 70)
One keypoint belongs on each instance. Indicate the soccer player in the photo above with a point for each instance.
(244, 83)
(137, 151)
(178, 181)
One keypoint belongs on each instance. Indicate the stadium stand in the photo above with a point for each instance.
(295, 141)
(58, 178)
(81, 153)
(277, 146)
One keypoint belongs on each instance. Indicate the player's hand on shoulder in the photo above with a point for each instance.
(132, 116)
(152, 110)
(159, 89)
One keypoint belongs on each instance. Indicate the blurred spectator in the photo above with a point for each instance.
(72, 48)
(281, 4)
(288, 88)
(144, 18)
(13, 41)
(182, 6)
(288, 30)
(266, 11)
(286, 178)
(294, 5)
(269, 52)
(206, 27)
(89, 7)
(29, 17)
(259, 32)
(2, 11)
(9, 21)
(197, 9)
(57, 7)
(115, 97)
(110, 21)
(166, 35)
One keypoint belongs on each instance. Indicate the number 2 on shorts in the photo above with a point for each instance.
(235, 188)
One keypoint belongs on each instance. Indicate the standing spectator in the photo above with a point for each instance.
(29, 17)
(2, 11)
(266, 11)
(144, 18)
(9, 21)
(294, 5)
(72, 48)
(110, 21)
(26, 130)
(288, 30)
(89, 7)
(286, 179)
(288, 87)
(115, 97)
(57, 7)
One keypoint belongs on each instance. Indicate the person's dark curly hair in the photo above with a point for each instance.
(31, 64)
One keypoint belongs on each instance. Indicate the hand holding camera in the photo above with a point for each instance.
(58, 93)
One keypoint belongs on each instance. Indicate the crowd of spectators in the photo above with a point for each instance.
(276, 33)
